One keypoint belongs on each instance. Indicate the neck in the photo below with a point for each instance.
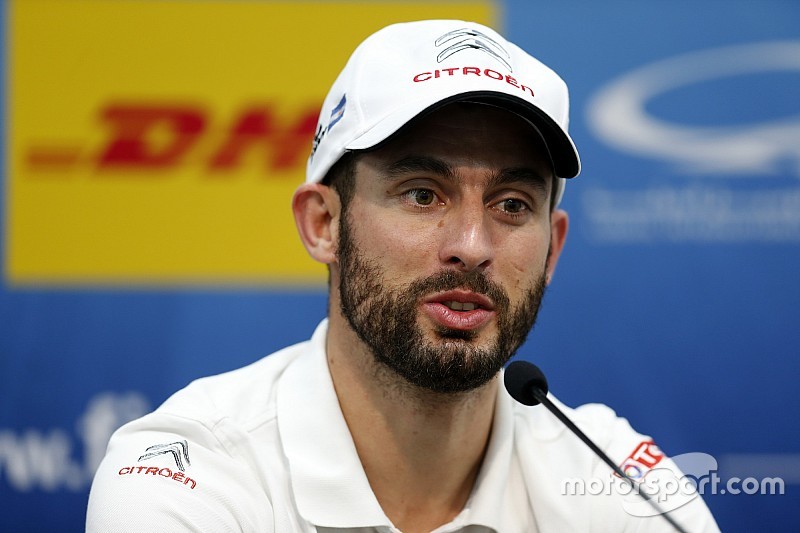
(421, 450)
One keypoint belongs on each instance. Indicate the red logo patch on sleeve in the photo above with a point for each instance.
(643, 458)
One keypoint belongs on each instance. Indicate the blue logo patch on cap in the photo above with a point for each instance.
(338, 112)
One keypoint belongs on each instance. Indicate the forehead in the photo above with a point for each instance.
(472, 135)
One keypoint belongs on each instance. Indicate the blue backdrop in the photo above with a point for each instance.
(675, 302)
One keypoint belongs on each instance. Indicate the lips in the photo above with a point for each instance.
(462, 310)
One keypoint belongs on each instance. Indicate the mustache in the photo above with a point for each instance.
(446, 280)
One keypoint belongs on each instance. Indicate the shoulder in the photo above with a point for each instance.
(600, 422)
(243, 396)
(192, 460)
(563, 471)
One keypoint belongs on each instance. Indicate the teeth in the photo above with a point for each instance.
(458, 306)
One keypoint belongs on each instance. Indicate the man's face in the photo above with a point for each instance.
(443, 249)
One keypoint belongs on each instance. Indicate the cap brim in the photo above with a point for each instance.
(566, 161)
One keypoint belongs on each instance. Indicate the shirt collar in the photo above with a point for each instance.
(491, 502)
(329, 483)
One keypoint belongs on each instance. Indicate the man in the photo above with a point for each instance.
(431, 194)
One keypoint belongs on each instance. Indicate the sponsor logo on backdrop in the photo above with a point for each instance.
(46, 460)
(153, 136)
(111, 202)
(730, 182)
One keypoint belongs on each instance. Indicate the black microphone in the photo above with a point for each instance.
(527, 384)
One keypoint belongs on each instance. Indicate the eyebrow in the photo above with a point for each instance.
(524, 175)
(419, 163)
(416, 163)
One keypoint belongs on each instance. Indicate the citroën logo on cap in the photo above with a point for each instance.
(471, 40)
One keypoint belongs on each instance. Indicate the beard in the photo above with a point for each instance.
(385, 319)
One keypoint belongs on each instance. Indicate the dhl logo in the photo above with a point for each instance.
(130, 201)
(157, 137)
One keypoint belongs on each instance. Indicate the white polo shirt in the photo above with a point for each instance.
(266, 449)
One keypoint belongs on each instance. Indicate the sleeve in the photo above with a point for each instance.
(168, 473)
(661, 477)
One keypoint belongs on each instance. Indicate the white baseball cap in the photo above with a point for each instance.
(410, 69)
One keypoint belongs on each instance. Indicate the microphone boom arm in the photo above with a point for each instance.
(541, 396)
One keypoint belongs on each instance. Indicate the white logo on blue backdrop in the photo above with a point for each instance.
(691, 202)
(49, 460)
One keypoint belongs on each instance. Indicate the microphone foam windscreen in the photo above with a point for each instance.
(520, 379)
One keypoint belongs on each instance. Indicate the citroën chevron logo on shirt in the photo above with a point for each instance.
(179, 451)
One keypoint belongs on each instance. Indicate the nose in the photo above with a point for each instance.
(466, 240)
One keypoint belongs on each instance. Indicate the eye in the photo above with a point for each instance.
(423, 197)
(512, 206)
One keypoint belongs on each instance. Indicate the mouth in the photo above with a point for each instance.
(459, 309)
(462, 300)
(461, 306)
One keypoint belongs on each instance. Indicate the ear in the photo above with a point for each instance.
(559, 224)
(316, 209)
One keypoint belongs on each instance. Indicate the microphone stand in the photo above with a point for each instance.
(541, 396)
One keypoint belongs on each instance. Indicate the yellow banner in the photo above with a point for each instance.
(160, 142)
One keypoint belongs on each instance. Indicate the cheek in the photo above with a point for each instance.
(410, 252)
(526, 262)
(402, 249)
